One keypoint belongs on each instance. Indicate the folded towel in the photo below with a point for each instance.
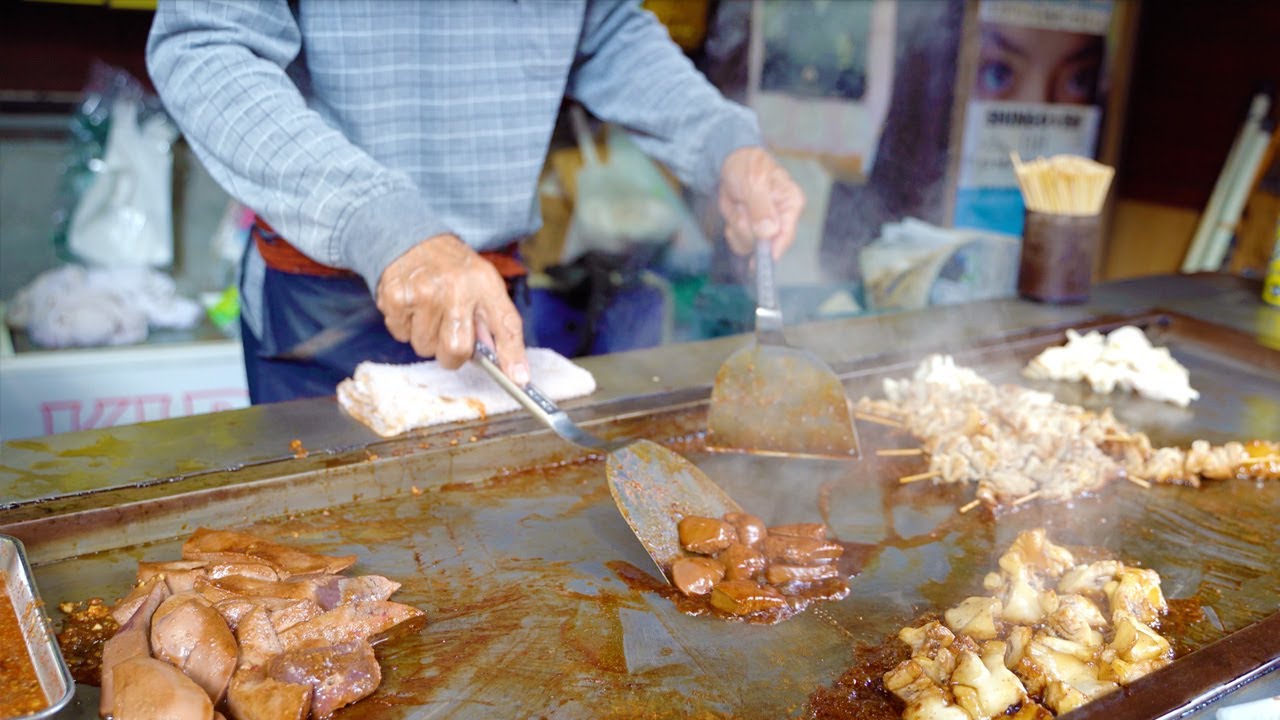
(392, 399)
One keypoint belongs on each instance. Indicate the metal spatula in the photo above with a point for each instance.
(652, 486)
(773, 399)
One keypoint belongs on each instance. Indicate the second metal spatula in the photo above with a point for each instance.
(774, 399)
(652, 486)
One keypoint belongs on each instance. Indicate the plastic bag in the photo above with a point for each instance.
(75, 306)
(124, 218)
(117, 191)
(914, 264)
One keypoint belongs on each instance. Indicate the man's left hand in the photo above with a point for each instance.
(759, 201)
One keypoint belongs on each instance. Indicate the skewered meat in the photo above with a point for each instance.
(1012, 442)
(130, 641)
(1060, 647)
(189, 634)
(225, 546)
(705, 536)
(750, 529)
(150, 689)
(696, 575)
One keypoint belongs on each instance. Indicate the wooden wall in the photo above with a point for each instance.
(1197, 66)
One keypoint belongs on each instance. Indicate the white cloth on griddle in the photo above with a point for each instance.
(392, 399)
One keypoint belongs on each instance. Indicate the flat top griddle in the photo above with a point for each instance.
(537, 603)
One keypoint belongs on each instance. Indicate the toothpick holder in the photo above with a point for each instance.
(1057, 257)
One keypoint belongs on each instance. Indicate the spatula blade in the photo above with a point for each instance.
(777, 400)
(653, 488)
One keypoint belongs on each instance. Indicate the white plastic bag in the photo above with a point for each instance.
(75, 306)
(124, 218)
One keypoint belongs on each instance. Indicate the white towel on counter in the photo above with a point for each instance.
(392, 399)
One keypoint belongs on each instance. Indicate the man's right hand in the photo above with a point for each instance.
(441, 294)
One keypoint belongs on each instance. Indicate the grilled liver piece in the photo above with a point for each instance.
(741, 562)
(751, 529)
(799, 551)
(696, 575)
(705, 536)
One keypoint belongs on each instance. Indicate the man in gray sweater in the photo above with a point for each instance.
(391, 150)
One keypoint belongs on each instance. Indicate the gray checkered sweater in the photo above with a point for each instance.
(358, 128)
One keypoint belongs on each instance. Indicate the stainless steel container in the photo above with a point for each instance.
(37, 630)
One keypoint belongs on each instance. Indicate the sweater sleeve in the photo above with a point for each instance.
(220, 67)
(628, 71)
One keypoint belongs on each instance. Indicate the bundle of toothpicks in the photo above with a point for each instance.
(1063, 184)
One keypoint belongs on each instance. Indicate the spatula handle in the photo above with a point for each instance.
(529, 396)
(768, 315)
(537, 403)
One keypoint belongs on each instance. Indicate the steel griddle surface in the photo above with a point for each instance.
(529, 616)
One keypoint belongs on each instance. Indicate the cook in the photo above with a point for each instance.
(390, 148)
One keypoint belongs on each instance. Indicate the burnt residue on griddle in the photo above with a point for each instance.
(86, 627)
(860, 692)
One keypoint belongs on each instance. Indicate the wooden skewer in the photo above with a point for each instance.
(900, 452)
(1138, 481)
(969, 505)
(877, 419)
(1026, 498)
(918, 477)
(1259, 459)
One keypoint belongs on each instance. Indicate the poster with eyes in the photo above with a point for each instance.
(1037, 91)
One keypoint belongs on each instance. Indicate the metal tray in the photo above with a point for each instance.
(37, 631)
(512, 546)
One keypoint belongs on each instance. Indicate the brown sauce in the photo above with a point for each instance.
(86, 626)
(860, 691)
(20, 691)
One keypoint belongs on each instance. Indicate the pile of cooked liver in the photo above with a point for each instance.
(749, 570)
(249, 627)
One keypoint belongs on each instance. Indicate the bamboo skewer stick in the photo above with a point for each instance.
(1259, 459)
(969, 505)
(1026, 498)
(900, 452)
(1063, 184)
(1144, 484)
(877, 419)
(918, 477)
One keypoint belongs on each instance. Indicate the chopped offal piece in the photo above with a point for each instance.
(1052, 636)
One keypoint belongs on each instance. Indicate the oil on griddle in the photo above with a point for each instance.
(534, 590)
